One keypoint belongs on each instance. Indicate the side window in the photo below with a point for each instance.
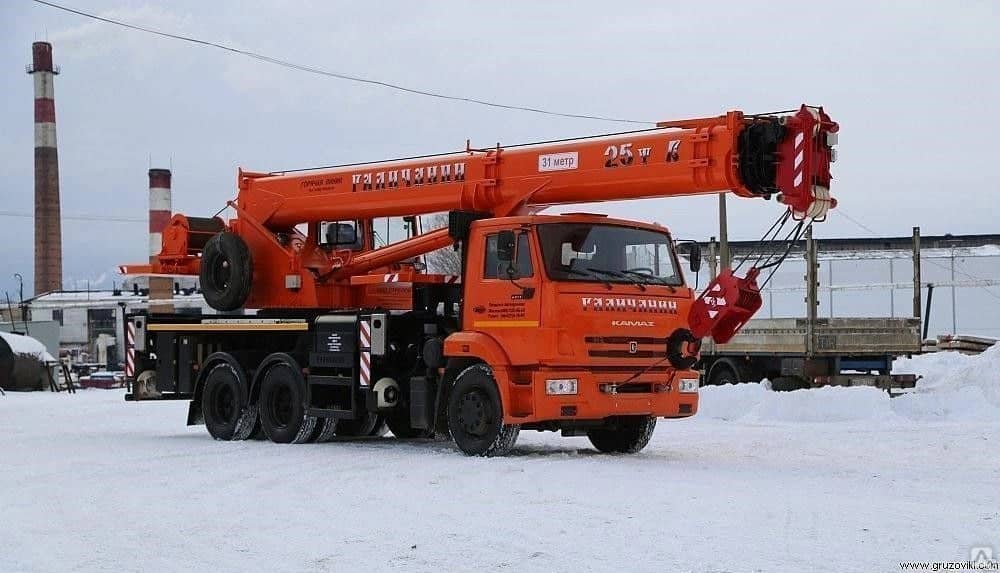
(522, 259)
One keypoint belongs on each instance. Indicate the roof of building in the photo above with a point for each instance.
(27, 345)
(90, 299)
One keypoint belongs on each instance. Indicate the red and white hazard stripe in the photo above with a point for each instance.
(391, 278)
(452, 279)
(365, 359)
(130, 349)
(800, 151)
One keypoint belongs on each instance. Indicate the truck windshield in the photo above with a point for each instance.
(607, 253)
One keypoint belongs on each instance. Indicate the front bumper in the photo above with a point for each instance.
(600, 395)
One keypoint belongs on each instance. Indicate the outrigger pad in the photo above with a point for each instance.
(725, 306)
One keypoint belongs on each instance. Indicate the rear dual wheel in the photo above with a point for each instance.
(225, 404)
(282, 405)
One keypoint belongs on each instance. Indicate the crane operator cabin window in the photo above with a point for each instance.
(340, 235)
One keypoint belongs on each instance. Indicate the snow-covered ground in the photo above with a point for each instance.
(821, 480)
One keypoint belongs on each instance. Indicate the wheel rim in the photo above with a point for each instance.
(475, 413)
(220, 274)
(280, 406)
(223, 403)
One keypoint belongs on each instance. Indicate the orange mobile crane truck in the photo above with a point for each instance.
(578, 323)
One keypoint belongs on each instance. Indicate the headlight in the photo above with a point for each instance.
(560, 386)
(689, 385)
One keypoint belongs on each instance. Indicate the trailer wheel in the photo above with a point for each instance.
(226, 272)
(282, 405)
(623, 434)
(722, 373)
(224, 405)
(789, 383)
(475, 414)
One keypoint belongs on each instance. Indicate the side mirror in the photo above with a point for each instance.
(506, 242)
(694, 254)
(694, 257)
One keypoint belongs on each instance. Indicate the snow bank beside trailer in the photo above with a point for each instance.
(954, 387)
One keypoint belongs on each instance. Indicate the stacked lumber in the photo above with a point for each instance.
(958, 343)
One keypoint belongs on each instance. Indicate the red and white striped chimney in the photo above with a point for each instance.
(160, 288)
(48, 230)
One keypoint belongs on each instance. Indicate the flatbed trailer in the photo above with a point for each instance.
(792, 353)
(809, 352)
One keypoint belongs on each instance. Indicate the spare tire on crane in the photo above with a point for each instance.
(226, 272)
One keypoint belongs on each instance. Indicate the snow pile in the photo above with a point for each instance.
(756, 402)
(27, 345)
(953, 387)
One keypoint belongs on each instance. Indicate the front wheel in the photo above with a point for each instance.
(624, 435)
(475, 414)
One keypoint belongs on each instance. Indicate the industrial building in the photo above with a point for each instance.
(90, 323)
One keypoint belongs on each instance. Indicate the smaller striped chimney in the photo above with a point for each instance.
(160, 288)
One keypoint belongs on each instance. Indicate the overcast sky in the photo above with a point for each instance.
(912, 84)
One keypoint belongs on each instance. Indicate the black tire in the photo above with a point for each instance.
(326, 428)
(723, 374)
(475, 414)
(623, 434)
(226, 272)
(224, 403)
(788, 383)
(282, 404)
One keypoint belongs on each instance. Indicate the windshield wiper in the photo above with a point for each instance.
(619, 275)
(590, 274)
(652, 279)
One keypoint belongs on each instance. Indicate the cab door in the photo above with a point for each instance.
(504, 305)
